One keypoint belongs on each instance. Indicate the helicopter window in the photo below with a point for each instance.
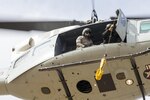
(22, 59)
(145, 27)
(44, 50)
(67, 41)
(60, 46)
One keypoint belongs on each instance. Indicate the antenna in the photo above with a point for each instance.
(93, 6)
(94, 16)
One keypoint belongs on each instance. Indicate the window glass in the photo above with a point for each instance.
(46, 49)
(38, 54)
(145, 27)
(22, 59)
(42, 51)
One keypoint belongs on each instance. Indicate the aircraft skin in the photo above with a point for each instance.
(54, 69)
(28, 85)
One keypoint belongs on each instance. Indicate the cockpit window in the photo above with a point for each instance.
(145, 27)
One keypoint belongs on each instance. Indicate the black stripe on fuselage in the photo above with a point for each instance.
(138, 78)
(63, 81)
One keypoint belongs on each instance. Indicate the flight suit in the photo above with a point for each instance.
(83, 41)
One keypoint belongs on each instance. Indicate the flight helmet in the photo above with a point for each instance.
(86, 31)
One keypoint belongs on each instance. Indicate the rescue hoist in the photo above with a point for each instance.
(100, 71)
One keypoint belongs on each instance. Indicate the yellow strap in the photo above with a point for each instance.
(100, 71)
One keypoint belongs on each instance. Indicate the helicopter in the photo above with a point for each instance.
(54, 69)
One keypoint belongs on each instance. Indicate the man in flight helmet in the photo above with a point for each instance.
(107, 33)
(84, 40)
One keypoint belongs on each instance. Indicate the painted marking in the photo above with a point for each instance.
(147, 71)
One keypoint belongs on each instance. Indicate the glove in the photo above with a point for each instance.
(111, 28)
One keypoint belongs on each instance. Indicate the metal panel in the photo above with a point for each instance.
(106, 84)
(143, 63)
(121, 26)
(33, 81)
(75, 74)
